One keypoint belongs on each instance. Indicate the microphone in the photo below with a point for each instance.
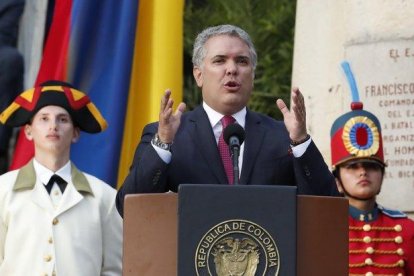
(234, 135)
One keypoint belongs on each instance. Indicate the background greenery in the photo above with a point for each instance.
(270, 24)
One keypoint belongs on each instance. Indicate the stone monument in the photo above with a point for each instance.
(377, 38)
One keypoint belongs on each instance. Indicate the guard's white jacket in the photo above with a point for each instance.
(82, 236)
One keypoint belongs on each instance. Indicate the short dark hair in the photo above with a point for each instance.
(230, 30)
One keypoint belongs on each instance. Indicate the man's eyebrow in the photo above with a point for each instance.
(48, 113)
(225, 56)
(243, 57)
(219, 56)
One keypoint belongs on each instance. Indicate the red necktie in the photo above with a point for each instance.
(224, 149)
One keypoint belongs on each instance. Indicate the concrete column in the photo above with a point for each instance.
(377, 38)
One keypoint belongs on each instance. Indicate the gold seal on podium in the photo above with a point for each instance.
(237, 247)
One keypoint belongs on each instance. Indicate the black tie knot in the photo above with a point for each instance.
(56, 179)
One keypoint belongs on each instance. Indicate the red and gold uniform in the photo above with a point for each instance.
(381, 242)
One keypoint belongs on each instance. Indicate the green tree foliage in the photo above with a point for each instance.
(270, 23)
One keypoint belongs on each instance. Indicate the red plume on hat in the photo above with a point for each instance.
(356, 135)
(84, 113)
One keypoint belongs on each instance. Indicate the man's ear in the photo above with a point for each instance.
(76, 135)
(28, 132)
(198, 76)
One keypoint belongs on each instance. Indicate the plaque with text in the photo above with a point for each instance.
(384, 73)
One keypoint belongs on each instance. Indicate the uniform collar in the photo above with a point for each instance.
(365, 216)
(26, 178)
(44, 174)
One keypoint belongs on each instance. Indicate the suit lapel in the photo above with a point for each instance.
(41, 198)
(26, 180)
(70, 198)
(203, 136)
(253, 142)
(72, 195)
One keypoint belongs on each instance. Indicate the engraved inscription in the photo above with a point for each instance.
(396, 53)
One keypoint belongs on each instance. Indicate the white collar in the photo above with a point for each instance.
(44, 174)
(215, 117)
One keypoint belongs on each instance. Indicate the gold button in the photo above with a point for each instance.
(369, 274)
(367, 239)
(398, 239)
(48, 258)
(368, 261)
(55, 221)
(366, 227)
(400, 251)
(401, 263)
(398, 228)
(369, 250)
(50, 240)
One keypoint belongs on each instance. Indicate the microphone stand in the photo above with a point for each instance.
(235, 152)
(233, 135)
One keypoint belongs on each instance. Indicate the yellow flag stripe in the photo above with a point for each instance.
(157, 65)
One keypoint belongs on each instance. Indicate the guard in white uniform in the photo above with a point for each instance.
(55, 219)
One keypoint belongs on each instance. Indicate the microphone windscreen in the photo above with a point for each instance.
(233, 130)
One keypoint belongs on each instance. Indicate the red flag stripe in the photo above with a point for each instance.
(53, 66)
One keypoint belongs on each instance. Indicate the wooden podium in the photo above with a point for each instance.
(150, 235)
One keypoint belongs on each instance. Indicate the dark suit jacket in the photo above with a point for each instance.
(196, 159)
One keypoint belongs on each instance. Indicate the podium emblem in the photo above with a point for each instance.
(235, 257)
(237, 248)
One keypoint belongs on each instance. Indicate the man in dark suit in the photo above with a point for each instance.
(11, 67)
(183, 147)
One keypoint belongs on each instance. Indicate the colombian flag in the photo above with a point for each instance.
(124, 54)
